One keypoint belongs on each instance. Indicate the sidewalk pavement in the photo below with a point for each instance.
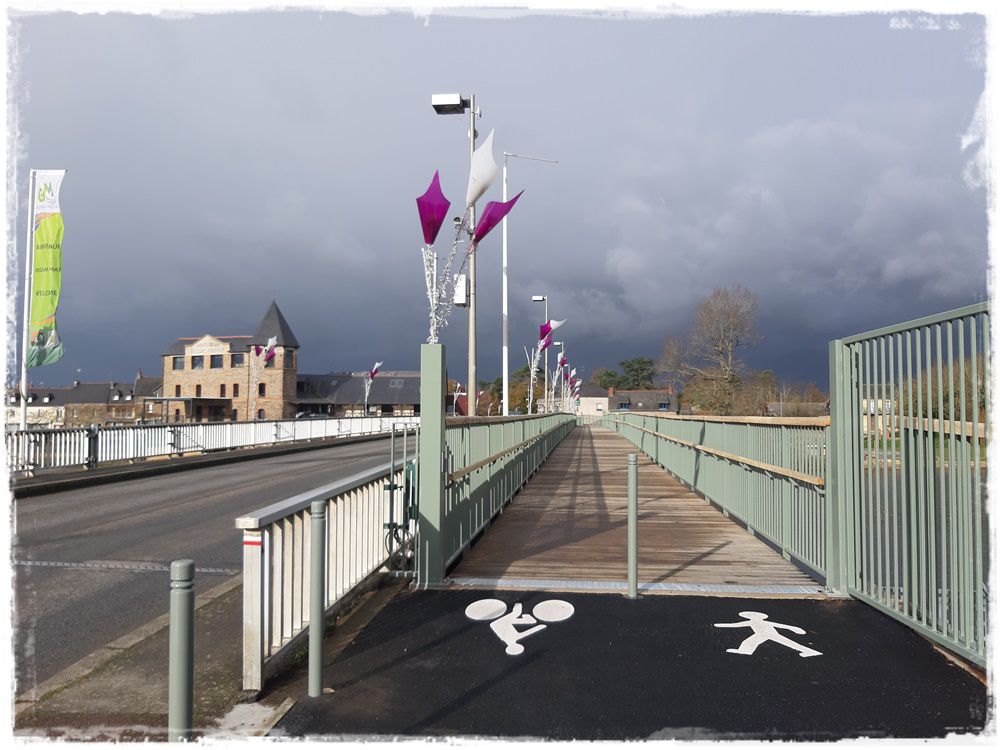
(603, 667)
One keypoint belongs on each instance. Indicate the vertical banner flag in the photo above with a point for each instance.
(44, 346)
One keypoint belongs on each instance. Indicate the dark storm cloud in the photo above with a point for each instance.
(218, 161)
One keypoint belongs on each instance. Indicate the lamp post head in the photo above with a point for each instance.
(449, 104)
(538, 298)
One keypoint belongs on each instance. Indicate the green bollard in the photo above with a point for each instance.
(633, 526)
(317, 591)
(180, 692)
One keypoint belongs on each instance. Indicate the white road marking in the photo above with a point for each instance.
(764, 631)
(505, 625)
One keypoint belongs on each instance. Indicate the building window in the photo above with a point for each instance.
(178, 363)
(177, 391)
(177, 415)
(233, 417)
(222, 391)
(117, 396)
(236, 390)
(197, 362)
(623, 406)
(664, 405)
(289, 360)
(260, 414)
(236, 360)
(215, 361)
(262, 389)
(48, 397)
(197, 391)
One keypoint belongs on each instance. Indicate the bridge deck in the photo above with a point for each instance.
(567, 530)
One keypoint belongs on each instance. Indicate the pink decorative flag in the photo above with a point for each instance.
(563, 361)
(374, 371)
(433, 207)
(269, 353)
(546, 328)
(492, 215)
(545, 342)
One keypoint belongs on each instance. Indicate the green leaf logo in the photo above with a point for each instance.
(45, 192)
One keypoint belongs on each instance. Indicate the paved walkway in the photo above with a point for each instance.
(614, 668)
(567, 530)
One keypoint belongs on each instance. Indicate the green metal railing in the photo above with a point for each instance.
(770, 473)
(488, 460)
(910, 407)
(469, 468)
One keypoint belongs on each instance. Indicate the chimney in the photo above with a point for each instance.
(611, 392)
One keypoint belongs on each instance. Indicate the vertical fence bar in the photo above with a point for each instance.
(633, 526)
(433, 385)
(180, 691)
(317, 621)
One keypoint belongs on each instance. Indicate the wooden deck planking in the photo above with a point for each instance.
(570, 523)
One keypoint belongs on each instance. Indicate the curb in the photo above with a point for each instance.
(97, 659)
(44, 485)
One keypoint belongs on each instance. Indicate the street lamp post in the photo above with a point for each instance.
(456, 104)
(560, 380)
(544, 298)
(506, 330)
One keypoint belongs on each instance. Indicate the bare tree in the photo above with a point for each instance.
(723, 322)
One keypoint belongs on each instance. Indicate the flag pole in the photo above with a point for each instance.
(29, 258)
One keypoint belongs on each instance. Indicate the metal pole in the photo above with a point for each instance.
(317, 591)
(180, 692)
(633, 526)
(506, 332)
(546, 391)
(472, 274)
(29, 258)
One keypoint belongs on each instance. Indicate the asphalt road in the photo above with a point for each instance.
(603, 667)
(90, 564)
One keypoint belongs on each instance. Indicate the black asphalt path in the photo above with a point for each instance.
(651, 668)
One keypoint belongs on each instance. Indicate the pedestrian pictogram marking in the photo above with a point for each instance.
(764, 631)
(505, 624)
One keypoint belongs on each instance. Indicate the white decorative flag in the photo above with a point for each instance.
(483, 171)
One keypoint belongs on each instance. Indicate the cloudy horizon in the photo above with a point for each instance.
(827, 163)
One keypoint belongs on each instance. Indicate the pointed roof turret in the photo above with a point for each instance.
(274, 324)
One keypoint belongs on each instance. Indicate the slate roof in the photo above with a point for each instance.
(274, 324)
(236, 343)
(589, 390)
(641, 400)
(345, 388)
(147, 385)
(79, 393)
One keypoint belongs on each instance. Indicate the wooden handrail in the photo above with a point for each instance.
(769, 468)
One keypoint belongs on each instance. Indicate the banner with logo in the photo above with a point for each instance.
(44, 345)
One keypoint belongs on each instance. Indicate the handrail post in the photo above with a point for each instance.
(430, 529)
(92, 446)
(317, 592)
(253, 609)
(835, 485)
(180, 700)
(633, 526)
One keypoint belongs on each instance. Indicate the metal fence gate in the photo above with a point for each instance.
(910, 426)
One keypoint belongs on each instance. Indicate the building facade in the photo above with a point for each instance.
(211, 378)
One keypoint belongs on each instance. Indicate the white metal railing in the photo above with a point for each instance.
(277, 549)
(32, 450)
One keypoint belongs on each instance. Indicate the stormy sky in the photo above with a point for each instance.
(827, 163)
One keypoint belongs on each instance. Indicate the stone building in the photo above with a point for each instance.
(342, 394)
(209, 378)
(83, 404)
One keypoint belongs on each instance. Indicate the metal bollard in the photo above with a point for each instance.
(180, 692)
(633, 526)
(317, 592)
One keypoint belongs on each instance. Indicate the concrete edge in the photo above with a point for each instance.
(96, 659)
(277, 715)
(44, 485)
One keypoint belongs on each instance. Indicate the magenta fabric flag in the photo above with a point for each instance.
(433, 207)
(563, 361)
(546, 328)
(492, 215)
(374, 371)
(257, 350)
(271, 344)
(545, 342)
